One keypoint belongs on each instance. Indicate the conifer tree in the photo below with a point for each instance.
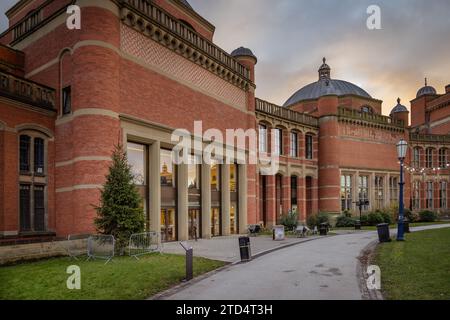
(120, 212)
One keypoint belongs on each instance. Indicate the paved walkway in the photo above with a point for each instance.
(227, 248)
(322, 269)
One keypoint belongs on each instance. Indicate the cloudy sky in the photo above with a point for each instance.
(290, 37)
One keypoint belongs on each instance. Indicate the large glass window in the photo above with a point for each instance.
(416, 195)
(442, 158)
(429, 158)
(262, 138)
(379, 192)
(416, 157)
(168, 196)
(429, 194)
(393, 189)
(309, 146)
(443, 195)
(278, 148)
(234, 212)
(137, 159)
(215, 215)
(346, 192)
(194, 196)
(363, 190)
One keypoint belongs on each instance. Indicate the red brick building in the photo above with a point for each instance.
(139, 69)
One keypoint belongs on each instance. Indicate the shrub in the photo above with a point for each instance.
(345, 221)
(375, 218)
(386, 215)
(290, 220)
(364, 220)
(311, 221)
(427, 216)
(323, 217)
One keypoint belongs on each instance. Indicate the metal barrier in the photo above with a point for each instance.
(101, 247)
(76, 245)
(144, 243)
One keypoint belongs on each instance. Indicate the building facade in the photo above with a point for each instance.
(139, 69)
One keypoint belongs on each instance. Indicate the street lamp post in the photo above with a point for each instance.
(402, 147)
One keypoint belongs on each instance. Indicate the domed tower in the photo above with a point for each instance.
(246, 57)
(425, 90)
(418, 105)
(400, 112)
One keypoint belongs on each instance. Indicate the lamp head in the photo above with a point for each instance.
(402, 147)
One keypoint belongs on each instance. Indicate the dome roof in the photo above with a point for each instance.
(399, 108)
(325, 86)
(425, 90)
(241, 51)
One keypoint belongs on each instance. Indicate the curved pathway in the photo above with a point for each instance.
(322, 269)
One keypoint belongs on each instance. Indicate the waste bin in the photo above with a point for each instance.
(278, 233)
(383, 232)
(323, 229)
(244, 248)
(358, 225)
(406, 226)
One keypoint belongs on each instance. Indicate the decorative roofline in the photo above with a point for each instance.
(351, 115)
(286, 114)
(157, 24)
(27, 91)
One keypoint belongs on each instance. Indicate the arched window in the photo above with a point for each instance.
(262, 138)
(32, 181)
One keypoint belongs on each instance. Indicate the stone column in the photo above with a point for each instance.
(182, 210)
(242, 189)
(155, 187)
(286, 193)
(206, 201)
(226, 201)
(271, 203)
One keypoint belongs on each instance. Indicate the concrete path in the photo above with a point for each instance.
(227, 248)
(322, 269)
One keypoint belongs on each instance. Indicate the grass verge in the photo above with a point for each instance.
(418, 268)
(124, 278)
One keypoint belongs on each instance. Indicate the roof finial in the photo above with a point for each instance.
(426, 82)
(398, 100)
(324, 60)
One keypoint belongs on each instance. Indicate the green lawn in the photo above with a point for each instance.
(417, 269)
(123, 278)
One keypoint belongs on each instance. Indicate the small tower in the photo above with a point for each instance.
(246, 57)
(400, 112)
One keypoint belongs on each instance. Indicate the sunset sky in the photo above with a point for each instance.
(290, 37)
